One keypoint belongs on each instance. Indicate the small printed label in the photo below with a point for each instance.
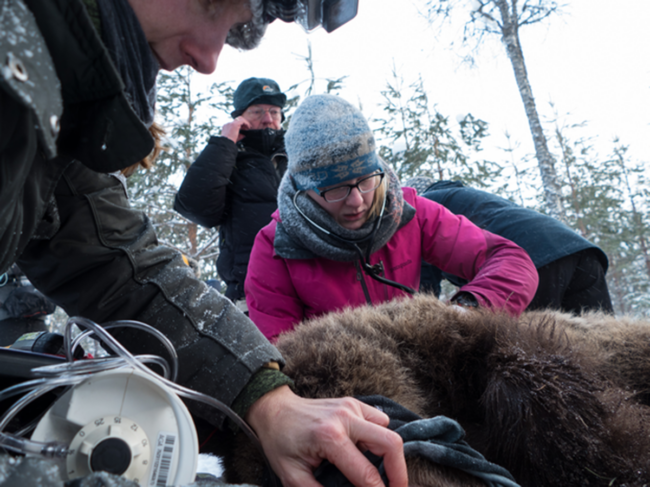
(162, 460)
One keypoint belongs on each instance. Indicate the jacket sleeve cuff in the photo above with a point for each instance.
(465, 300)
(264, 380)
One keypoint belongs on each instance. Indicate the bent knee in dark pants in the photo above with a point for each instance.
(574, 283)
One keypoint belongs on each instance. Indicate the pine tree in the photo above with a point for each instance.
(636, 234)
(311, 85)
(417, 140)
(520, 174)
(602, 207)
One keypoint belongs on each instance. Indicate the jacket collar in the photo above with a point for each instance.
(98, 126)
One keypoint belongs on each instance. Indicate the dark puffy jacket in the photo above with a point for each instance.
(544, 238)
(234, 187)
(71, 225)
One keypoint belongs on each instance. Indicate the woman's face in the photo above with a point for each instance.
(351, 212)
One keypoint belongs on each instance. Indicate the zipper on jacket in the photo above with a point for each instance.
(361, 279)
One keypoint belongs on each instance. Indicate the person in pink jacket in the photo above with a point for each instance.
(345, 233)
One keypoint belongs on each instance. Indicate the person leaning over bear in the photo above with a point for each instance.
(345, 233)
(571, 269)
(233, 184)
(77, 98)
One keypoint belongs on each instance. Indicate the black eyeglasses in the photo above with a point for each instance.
(365, 185)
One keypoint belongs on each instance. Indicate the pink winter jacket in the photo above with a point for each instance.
(282, 292)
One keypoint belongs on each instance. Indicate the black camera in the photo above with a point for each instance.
(331, 14)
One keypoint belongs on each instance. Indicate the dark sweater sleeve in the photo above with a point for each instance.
(202, 197)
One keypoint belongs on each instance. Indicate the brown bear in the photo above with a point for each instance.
(555, 399)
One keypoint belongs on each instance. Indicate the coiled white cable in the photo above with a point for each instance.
(74, 372)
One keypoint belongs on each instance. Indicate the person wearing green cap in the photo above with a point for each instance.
(233, 184)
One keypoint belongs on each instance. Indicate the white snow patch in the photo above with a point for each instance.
(210, 464)
(474, 5)
(6, 72)
(399, 146)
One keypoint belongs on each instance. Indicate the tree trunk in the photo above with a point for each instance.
(546, 162)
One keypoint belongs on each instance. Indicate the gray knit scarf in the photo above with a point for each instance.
(295, 237)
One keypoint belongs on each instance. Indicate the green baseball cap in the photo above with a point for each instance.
(256, 91)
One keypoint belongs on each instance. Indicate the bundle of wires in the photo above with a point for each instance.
(73, 372)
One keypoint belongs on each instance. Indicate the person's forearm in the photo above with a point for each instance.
(507, 279)
(107, 275)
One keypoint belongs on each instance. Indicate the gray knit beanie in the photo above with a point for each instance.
(328, 142)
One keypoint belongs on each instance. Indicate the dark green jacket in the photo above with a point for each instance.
(64, 125)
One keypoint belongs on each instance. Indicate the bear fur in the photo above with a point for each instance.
(557, 400)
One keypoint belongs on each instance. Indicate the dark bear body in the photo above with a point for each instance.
(555, 399)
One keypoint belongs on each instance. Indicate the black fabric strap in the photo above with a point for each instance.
(128, 47)
(363, 282)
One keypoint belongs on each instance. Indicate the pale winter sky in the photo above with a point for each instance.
(592, 62)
